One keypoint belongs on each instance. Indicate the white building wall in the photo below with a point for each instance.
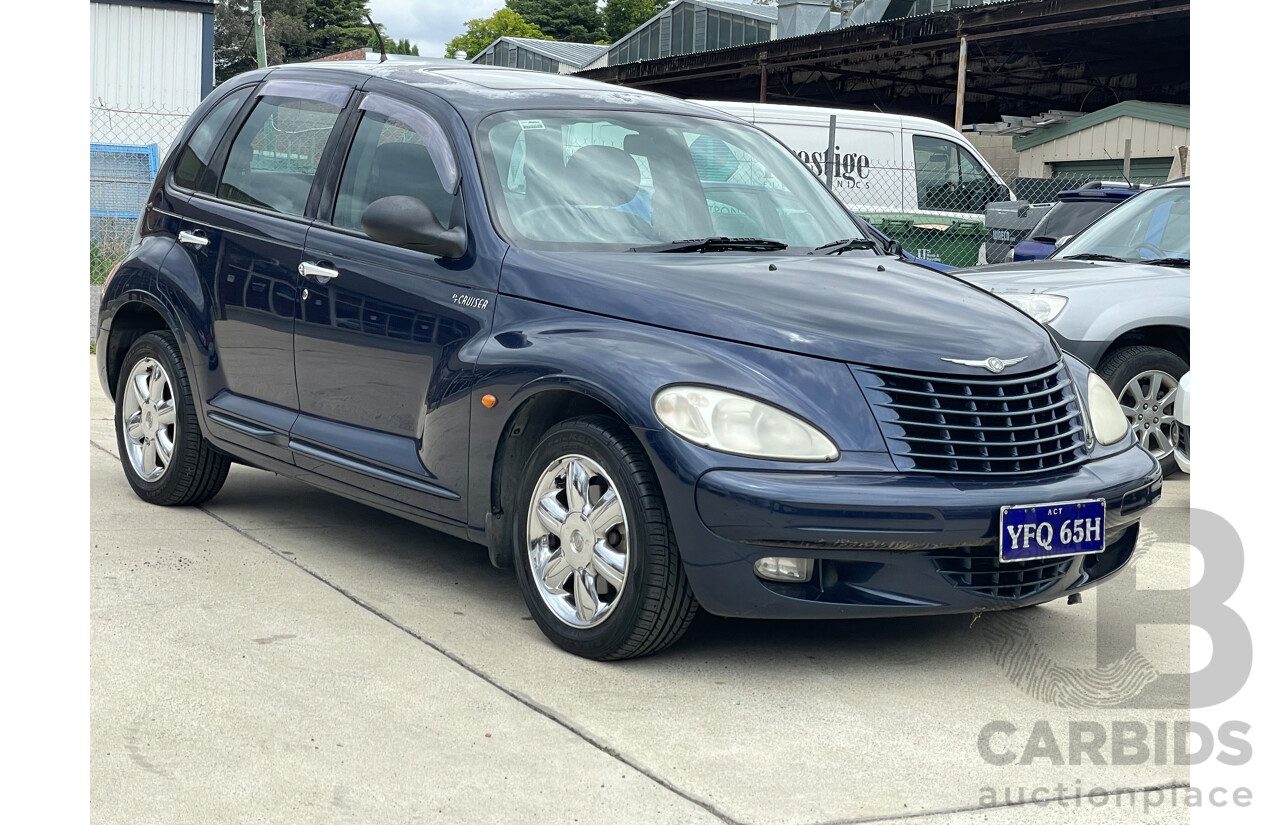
(145, 73)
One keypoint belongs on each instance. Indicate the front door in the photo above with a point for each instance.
(383, 387)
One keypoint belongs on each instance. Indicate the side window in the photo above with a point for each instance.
(275, 156)
(937, 173)
(949, 178)
(194, 159)
(392, 156)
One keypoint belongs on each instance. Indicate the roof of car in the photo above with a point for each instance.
(476, 90)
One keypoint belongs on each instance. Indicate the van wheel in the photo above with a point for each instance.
(1145, 380)
(595, 556)
(165, 456)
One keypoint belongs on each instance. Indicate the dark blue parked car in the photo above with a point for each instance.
(416, 285)
(1075, 209)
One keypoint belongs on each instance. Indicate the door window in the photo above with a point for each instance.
(396, 151)
(949, 178)
(274, 158)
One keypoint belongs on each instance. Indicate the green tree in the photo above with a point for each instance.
(234, 50)
(622, 16)
(336, 26)
(570, 21)
(483, 31)
(296, 30)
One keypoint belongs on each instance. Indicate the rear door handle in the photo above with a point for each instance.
(195, 238)
(317, 272)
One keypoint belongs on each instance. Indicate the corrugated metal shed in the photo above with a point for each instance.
(1092, 143)
(150, 64)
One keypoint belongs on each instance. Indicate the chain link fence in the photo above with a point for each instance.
(946, 219)
(125, 148)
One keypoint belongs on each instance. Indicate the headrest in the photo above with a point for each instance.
(602, 176)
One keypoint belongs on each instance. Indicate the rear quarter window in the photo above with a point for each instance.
(189, 171)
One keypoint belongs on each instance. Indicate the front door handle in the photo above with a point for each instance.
(317, 272)
(195, 238)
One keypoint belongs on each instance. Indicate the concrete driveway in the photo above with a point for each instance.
(282, 655)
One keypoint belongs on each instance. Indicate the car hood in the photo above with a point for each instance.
(1049, 276)
(861, 309)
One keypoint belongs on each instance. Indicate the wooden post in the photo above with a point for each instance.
(960, 72)
(259, 36)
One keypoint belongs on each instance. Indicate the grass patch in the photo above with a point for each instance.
(102, 257)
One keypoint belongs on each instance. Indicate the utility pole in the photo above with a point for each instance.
(259, 35)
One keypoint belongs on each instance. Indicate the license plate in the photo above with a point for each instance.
(1044, 531)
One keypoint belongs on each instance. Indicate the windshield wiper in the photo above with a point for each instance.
(1093, 256)
(842, 246)
(715, 244)
(1170, 262)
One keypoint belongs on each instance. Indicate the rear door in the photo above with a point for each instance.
(246, 232)
(383, 387)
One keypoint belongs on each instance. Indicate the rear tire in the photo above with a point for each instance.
(1144, 380)
(595, 555)
(166, 458)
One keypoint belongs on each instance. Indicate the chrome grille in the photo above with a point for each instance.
(978, 571)
(971, 425)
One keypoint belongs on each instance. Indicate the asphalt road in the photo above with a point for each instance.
(281, 655)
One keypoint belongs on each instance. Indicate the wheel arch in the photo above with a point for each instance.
(131, 321)
(535, 415)
(1171, 337)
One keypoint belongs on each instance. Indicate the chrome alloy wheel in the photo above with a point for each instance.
(149, 419)
(577, 543)
(1148, 402)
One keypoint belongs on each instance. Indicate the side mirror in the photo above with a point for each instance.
(1061, 242)
(895, 248)
(401, 220)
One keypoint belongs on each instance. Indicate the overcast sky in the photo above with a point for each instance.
(430, 23)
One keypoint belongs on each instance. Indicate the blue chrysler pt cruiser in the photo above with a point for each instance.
(629, 344)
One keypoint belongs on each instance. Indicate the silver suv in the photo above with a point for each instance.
(1118, 296)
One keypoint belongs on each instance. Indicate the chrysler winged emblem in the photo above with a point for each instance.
(991, 364)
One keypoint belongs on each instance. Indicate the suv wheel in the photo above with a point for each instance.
(165, 456)
(1145, 380)
(596, 559)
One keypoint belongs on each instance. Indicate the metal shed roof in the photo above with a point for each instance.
(1171, 113)
(575, 54)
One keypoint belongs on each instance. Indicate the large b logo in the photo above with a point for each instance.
(1122, 676)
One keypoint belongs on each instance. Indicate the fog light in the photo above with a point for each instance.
(779, 569)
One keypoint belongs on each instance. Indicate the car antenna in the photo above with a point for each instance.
(1127, 182)
(382, 47)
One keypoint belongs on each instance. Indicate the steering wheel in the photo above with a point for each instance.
(1156, 251)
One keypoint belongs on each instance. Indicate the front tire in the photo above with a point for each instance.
(1145, 381)
(595, 556)
(166, 458)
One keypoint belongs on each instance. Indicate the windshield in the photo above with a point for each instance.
(614, 180)
(1154, 225)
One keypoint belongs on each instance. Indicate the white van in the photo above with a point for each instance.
(883, 163)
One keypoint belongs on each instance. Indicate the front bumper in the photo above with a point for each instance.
(887, 543)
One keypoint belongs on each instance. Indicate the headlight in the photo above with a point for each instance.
(735, 424)
(1039, 305)
(1105, 414)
